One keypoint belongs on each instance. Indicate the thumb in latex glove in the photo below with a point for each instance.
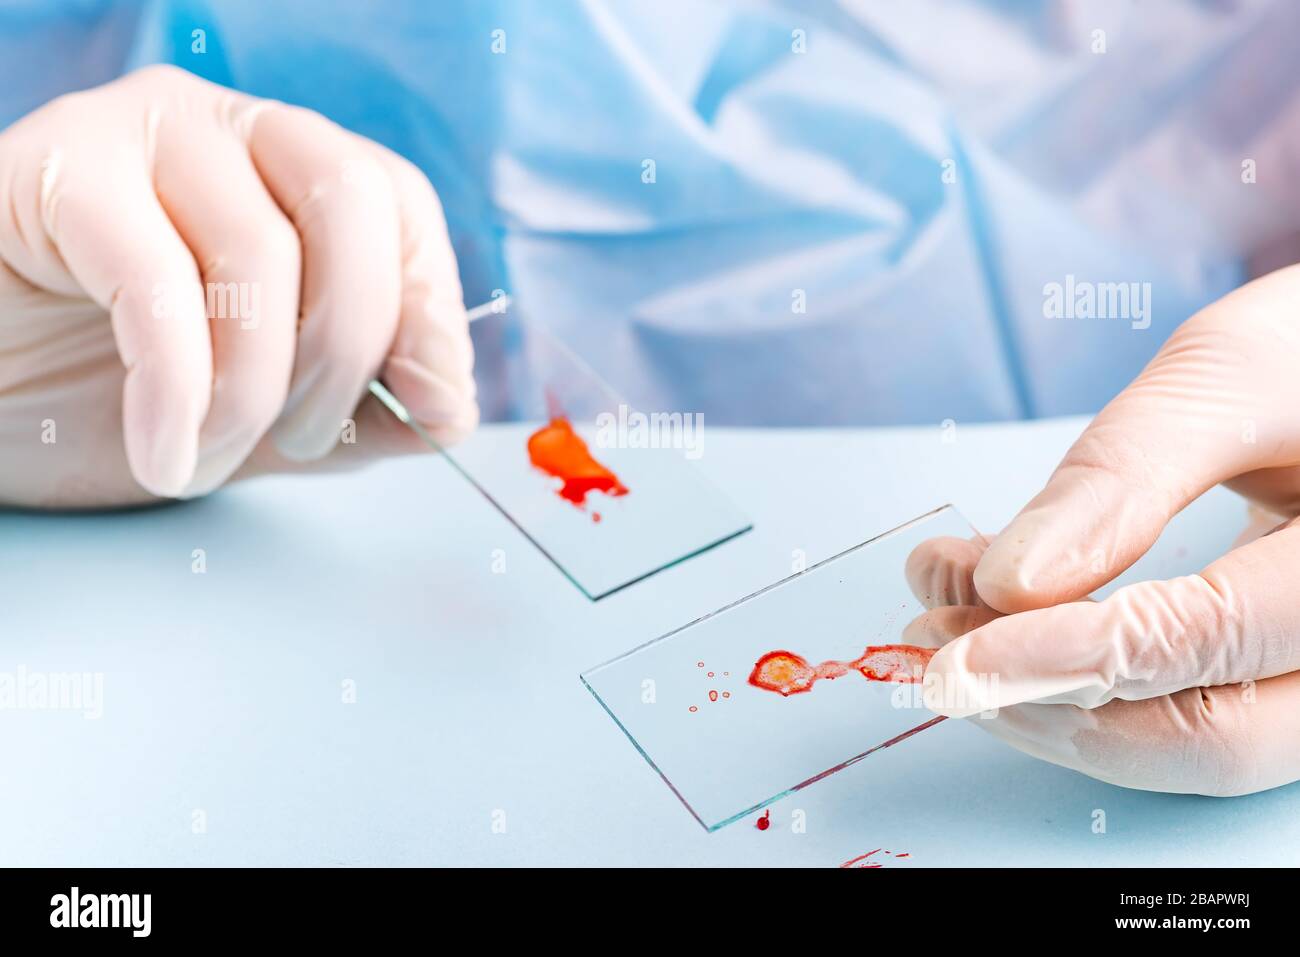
(1186, 685)
(194, 281)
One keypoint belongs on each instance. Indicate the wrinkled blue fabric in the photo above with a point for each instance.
(911, 174)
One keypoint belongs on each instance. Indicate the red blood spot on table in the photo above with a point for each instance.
(787, 673)
(764, 822)
(692, 709)
(713, 696)
(863, 861)
(560, 452)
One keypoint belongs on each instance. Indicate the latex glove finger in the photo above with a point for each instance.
(430, 367)
(940, 571)
(1230, 740)
(93, 224)
(938, 626)
(1235, 621)
(1216, 402)
(343, 204)
(249, 258)
(379, 434)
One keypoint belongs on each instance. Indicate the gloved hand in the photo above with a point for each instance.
(185, 270)
(1189, 685)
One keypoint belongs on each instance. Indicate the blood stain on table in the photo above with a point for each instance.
(787, 673)
(864, 862)
(560, 452)
(764, 822)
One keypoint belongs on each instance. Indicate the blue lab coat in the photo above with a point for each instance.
(778, 212)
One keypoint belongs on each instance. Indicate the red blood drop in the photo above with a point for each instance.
(764, 822)
(783, 672)
(713, 696)
(559, 451)
(692, 709)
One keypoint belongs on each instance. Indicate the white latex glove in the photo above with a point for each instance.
(1189, 685)
(126, 208)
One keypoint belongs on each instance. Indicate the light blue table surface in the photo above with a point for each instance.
(222, 691)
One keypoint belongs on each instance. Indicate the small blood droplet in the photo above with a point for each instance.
(713, 696)
(692, 709)
(764, 822)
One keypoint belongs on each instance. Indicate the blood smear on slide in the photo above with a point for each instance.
(560, 452)
(787, 673)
